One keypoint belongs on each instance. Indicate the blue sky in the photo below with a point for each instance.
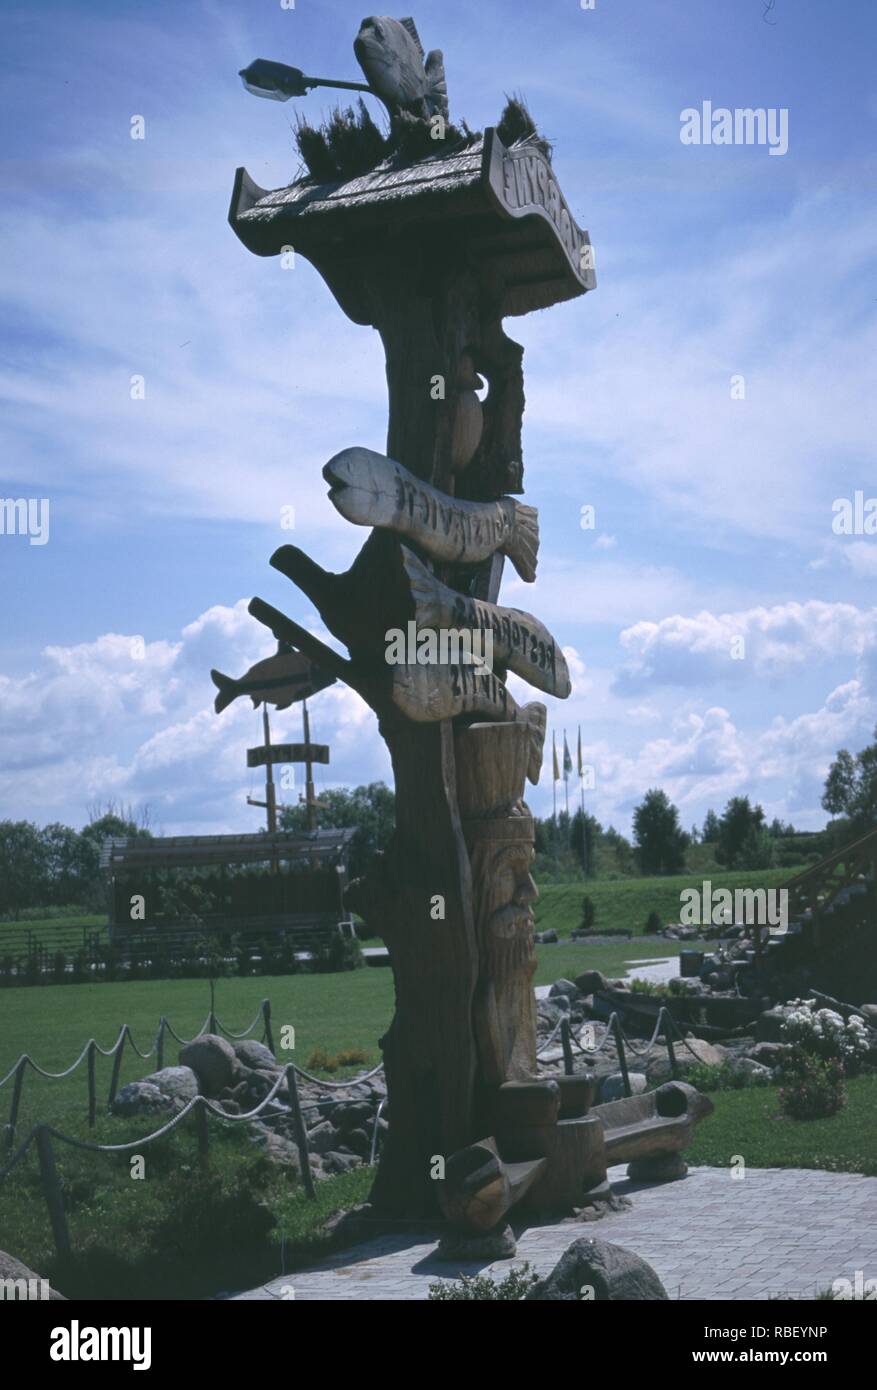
(713, 514)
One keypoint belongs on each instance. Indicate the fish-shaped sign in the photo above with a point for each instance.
(279, 680)
(519, 640)
(391, 55)
(372, 490)
(433, 692)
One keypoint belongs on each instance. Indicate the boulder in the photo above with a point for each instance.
(355, 1116)
(756, 1072)
(340, 1163)
(769, 1054)
(563, 988)
(601, 1271)
(591, 981)
(26, 1284)
(612, 1086)
(323, 1138)
(869, 1014)
(142, 1098)
(257, 1056)
(548, 937)
(213, 1061)
(180, 1084)
(498, 1244)
(358, 1141)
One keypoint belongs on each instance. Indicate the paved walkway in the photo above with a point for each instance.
(776, 1231)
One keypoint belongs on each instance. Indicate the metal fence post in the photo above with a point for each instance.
(668, 1035)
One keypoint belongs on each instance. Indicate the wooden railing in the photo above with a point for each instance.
(816, 888)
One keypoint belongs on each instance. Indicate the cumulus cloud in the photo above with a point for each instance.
(729, 648)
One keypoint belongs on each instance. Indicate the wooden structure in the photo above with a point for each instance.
(434, 253)
(302, 905)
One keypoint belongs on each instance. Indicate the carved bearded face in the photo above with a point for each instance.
(512, 891)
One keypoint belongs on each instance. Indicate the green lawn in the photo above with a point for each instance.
(748, 1123)
(626, 903)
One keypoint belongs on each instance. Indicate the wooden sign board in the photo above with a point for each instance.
(520, 641)
(371, 490)
(287, 753)
(427, 693)
(522, 183)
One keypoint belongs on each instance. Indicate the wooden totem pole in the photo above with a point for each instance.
(434, 252)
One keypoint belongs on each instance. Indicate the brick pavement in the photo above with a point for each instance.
(776, 1231)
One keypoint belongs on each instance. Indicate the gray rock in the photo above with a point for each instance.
(490, 1245)
(180, 1084)
(256, 1055)
(565, 989)
(27, 1285)
(869, 1014)
(769, 1025)
(340, 1163)
(591, 982)
(769, 1054)
(213, 1061)
(358, 1141)
(605, 1272)
(612, 1086)
(142, 1098)
(548, 937)
(754, 1071)
(657, 1168)
(323, 1138)
(355, 1116)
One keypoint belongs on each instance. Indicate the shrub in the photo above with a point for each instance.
(351, 1057)
(722, 1077)
(653, 924)
(338, 953)
(321, 1060)
(823, 1033)
(516, 1285)
(813, 1087)
(589, 912)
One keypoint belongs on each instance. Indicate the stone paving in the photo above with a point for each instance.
(776, 1231)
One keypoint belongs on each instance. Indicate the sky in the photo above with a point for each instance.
(713, 399)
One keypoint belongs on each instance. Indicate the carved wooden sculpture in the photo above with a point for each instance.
(433, 253)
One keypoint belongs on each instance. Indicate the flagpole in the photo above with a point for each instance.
(582, 795)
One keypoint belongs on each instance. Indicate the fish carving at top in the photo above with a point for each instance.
(391, 55)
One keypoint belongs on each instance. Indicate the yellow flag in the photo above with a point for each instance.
(554, 752)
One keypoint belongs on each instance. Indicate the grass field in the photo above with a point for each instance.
(627, 902)
(748, 1123)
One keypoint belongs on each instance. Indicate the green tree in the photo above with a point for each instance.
(659, 839)
(23, 867)
(741, 825)
(369, 810)
(851, 788)
(710, 832)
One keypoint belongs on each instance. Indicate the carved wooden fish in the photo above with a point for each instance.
(371, 490)
(520, 641)
(391, 55)
(279, 680)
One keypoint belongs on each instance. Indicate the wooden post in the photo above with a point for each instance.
(117, 1066)
(202, 1129)
(310, 798)
(17, 1085)
(622, 1060)
(301, 1134)
(159, 1047)
(266, 1016)
(668, 1035)
(52, 1191)
(568, 1063)
(92, 1098)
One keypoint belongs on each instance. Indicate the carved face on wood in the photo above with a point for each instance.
(511, 892)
